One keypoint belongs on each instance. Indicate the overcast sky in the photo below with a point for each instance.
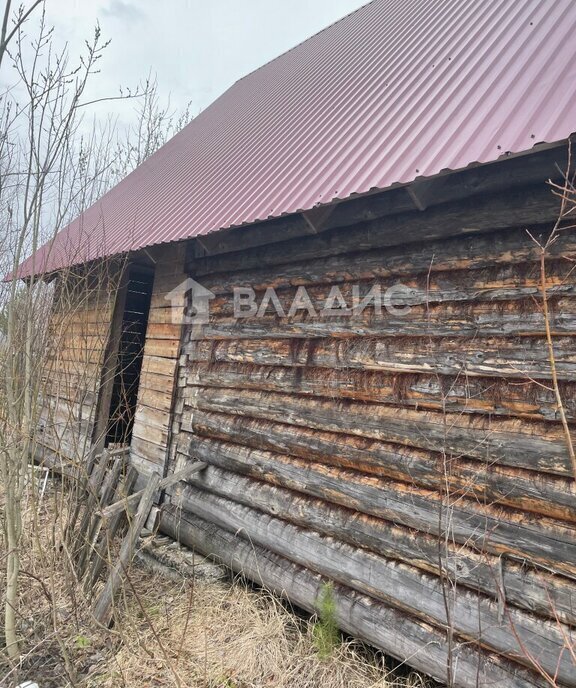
(196, 48)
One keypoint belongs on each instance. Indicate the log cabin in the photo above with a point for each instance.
(328, 287)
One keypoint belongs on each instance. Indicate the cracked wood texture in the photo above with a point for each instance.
(416, 460)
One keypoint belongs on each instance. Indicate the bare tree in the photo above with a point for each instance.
(50, 171)
(41, 119)
(566, 192)
(155, 123)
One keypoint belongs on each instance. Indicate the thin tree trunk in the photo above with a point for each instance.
(552, 359)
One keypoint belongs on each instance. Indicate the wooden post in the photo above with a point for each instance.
(106, 494)
(92, 503)
(101, 548)
(81, 485)
(103, 607)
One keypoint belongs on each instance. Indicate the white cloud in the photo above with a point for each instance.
(126, 11)
(196, 49)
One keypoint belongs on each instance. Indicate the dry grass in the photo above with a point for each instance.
(227, 635)
(182, 633)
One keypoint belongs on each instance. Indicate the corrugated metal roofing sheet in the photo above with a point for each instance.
(396, 90)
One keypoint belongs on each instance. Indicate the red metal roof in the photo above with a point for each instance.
(397, 90)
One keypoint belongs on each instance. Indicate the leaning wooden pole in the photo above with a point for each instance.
(112, 527)
(103, 606)
(127, 502)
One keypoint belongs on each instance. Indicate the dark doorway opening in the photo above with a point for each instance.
(130, 355)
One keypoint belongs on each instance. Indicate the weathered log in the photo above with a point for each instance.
(469, 252)
(257, 234)
(486, 528)
(515, 318)
(397, 633)
(518, 208)
(87, 372)
(513, 357)
(74, 390)
(61, 413)
(158, 400)
(88, 313)
(81, 357)
(509, 442)
(454, 394)
(78, 342)
(506, 174)
(525, 490)
(472, 616)
(548, 596)
(171, 314)
(504, 283)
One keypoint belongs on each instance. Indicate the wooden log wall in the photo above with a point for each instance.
(152, 422)
(415, 460)
(78, 343)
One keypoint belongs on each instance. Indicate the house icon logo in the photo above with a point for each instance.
(194, 299)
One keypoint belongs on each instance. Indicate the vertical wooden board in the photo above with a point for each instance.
(159, 366)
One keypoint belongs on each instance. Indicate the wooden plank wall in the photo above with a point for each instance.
(417, 462)
(161, 351)
(79, 334)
